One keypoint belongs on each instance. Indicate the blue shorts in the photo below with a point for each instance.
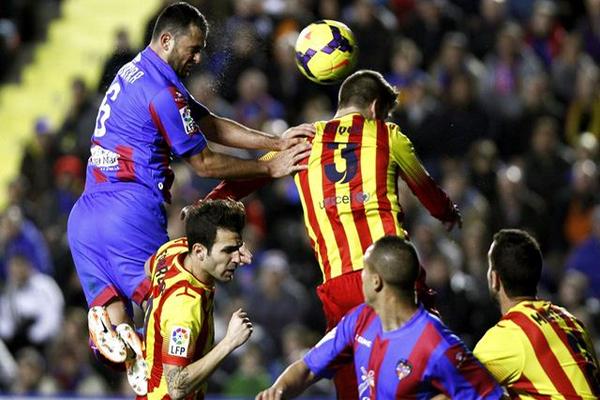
(111, 235)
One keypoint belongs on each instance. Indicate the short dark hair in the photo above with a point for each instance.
(517, 259)
(177, 19)
(395, 260)
(364, 86)
(204, 218)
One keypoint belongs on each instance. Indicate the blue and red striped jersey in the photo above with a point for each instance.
(418, 360)
(146, 118)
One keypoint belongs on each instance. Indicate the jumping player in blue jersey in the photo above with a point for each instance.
(400, 350)
(146, 118)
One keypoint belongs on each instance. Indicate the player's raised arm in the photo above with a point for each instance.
(231, 133)
(210, 164)
(420, 182)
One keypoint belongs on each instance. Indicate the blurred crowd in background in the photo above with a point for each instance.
(501, 99)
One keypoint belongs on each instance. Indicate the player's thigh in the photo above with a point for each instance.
(136, 236)
(89, 258)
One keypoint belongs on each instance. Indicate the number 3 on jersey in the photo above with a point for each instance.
(104, 111)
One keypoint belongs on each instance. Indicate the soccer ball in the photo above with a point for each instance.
(326, 51)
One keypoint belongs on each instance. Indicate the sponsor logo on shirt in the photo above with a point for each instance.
(103, 158)
(189, 124)
(403, 369)
(179, 341)
(354, 198)
(363, 341)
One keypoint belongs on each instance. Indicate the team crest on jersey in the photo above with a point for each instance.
(403, 369)
(179, 341)
(188, 122)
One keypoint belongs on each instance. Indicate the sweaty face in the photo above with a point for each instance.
(224, 257)
(186, 51)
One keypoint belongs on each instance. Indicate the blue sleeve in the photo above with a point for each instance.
(175, 117)
(334, 350)
(458, 374)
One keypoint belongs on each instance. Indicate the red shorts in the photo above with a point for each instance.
(339, 295)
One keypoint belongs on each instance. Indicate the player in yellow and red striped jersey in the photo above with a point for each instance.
(537, 350)
(349, 194)
(179, 318)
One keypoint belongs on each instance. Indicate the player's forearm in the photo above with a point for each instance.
(216, 165)
(295, 380)
(230, 133)
(182, 381)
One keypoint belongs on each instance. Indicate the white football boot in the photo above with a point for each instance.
(137, 369)
(103, 336)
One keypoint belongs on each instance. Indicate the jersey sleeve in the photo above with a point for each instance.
(459, 375)
(181, 322)
(417, 178)
(502, 353)
(334, 349)
(175, 117)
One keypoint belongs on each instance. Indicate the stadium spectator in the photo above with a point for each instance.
(537, 349)
(590, 29)
(483, 30)
(566, 66)
(32, 378)
(574, 205)
(18, 235)
(546, 164)
(38, 158)
(74, 133)
(276, 299)
(250, 377)
(179, 338)
(517, 205)
(545, 35)
(255, 105)
(31, 306)
(583, 112)
(585, 256)
(121, 55)
(453, 62)
(391, 328)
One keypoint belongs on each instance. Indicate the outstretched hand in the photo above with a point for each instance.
(296, 135)
(286, 161)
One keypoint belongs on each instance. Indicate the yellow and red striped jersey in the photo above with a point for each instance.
(349, 192)
(540, 351)
(179, 317)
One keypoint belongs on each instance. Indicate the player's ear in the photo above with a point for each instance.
(198, 250)
(377, 282)
(373, 109)
(166, 41)
(494, 280)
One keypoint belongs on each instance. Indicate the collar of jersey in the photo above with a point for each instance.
(407, 326)
(164, 68)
